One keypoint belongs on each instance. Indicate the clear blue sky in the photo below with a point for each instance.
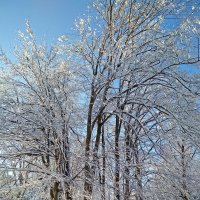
(48, 18)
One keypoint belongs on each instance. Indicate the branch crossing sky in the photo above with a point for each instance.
(49, 19)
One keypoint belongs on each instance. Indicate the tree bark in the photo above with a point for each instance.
(127, 170)
(117, 159)
(138, 171)
(87, 170)
(103, 178)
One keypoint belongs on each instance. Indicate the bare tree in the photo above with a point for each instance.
(93, 119)
(37, 110)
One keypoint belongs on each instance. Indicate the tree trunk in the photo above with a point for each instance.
(184, 195)
(103, 178)
(54, 191)
(117, 159)
(127, 170)
(87, 170)
(138, 171)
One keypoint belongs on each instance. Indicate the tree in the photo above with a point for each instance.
(37, 108)
(99, 118)
(130, 55)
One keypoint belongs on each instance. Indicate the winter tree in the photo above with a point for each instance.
(112, 116)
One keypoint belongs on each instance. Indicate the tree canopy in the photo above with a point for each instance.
(110, 116)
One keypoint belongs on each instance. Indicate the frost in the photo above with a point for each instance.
(111, 110)
(62, 38)
(28, 29)
(80, 25)
(21, 34)
(198, 22)
(160, 18)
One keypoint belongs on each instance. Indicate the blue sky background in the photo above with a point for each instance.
(48, 18)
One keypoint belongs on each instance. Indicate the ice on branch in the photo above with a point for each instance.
(62, 38)
(29, 30)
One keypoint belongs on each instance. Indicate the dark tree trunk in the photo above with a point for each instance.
(117, 159)
(54, 191)
(127, 170)
(138, 170)
(87, 169)
(184, 195)
(103, 178)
